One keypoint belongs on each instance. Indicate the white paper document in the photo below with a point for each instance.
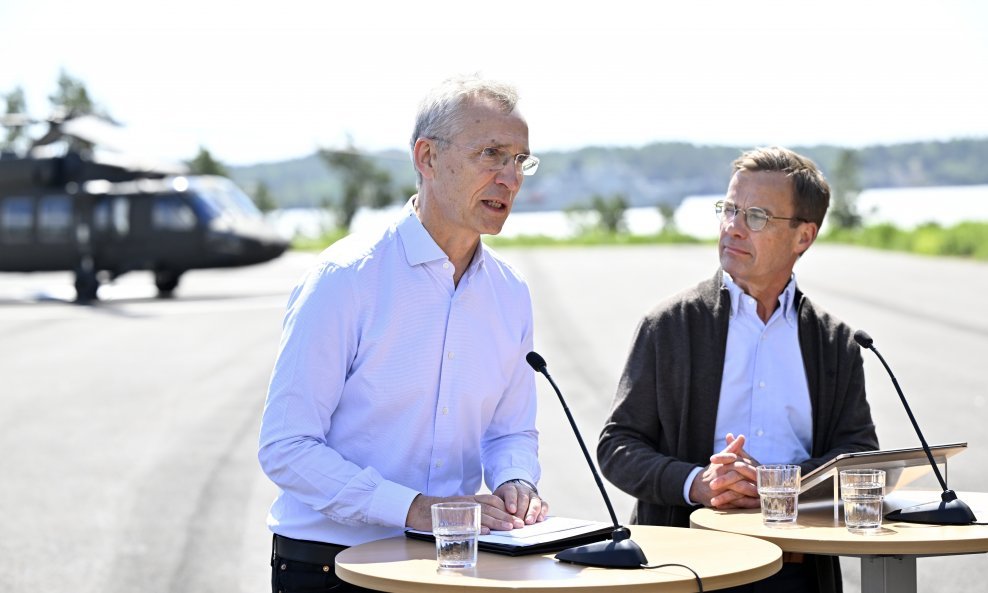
(550, 530)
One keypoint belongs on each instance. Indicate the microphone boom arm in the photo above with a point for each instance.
(621, 551)
(583, 446)
(950, 510)
(909, 412)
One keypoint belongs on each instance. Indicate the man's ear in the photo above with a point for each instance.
(805, 236)
(423, 157)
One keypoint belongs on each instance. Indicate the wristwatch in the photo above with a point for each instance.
(530, 485)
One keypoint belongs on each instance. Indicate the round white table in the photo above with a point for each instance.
(401, 565)
(888, 557)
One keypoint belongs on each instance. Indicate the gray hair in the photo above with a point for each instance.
(439, 112)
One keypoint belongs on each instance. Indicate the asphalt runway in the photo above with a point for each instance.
(128, 428)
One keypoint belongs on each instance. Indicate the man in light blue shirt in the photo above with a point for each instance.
(401, 378)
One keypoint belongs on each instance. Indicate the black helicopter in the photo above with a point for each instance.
(64, 205)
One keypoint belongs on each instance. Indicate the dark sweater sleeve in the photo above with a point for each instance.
(635, 434)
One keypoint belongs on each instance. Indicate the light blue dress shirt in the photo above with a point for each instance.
(764, 394)
(392, 382)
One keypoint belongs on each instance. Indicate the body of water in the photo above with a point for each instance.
(906, 208)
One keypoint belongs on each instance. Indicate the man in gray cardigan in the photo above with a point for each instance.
(741, 369)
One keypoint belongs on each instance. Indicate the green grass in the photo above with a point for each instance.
(590, 238)
(319, 243)
(967, 239)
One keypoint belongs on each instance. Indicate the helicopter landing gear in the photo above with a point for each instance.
(167, 282)
(86, 282)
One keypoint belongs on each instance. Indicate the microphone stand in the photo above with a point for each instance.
(949, 510)
(620, 551)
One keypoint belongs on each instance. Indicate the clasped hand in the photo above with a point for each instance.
(511, 506)
(729, 481)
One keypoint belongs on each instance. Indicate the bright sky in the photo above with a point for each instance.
(262, 81)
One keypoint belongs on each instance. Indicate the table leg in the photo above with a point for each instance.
(888, 574)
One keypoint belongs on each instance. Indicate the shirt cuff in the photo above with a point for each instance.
(391, 503)
(689, 482)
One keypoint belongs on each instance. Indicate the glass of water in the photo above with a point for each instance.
(456, 526)
(778, 490)
(863, 491)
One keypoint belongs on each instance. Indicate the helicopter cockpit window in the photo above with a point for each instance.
(225, 199)
(55, 219)
(16, 219)
(171, 213)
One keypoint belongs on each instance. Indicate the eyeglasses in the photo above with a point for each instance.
(493, 158)
(756, 218)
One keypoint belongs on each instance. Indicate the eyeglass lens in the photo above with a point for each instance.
(754, 217)
(495, 159)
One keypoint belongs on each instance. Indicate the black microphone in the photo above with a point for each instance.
(950, 510)
(620, 551)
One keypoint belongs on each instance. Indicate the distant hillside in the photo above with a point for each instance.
(309, 182)
(653, 174)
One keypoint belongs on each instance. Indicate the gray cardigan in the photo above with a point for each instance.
(664, 414)
(662, 421)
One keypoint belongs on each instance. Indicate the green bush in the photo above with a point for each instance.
(967, 239)
(318, 243)
(928, 239)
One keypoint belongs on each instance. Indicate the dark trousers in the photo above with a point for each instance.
(299, 566)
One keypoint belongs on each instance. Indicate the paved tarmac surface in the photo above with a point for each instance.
(128, 428)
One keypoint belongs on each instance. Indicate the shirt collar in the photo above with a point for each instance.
(419, 245)
(787, 299)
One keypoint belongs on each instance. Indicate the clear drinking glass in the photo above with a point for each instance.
(862, 491)
(778, 490)
(456, 526)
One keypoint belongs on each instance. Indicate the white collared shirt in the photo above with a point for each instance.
(763, 394)
(391, 382)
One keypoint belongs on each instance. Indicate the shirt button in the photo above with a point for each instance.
(760, 432)
(449, 355)
(446, 265)
(438, 464)
(445, 410)
(761, 384)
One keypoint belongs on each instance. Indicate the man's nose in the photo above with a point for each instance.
(510, 176)
(737, 225)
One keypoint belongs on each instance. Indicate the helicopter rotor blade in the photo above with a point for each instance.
(94, 130)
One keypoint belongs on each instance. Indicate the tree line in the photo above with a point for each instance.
(606, 180)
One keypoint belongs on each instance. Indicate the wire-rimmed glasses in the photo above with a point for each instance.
(756, 218)
(493, 158)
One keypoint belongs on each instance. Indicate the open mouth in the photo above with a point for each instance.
(494, 204)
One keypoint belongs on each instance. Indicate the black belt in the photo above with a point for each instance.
(306, 551)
